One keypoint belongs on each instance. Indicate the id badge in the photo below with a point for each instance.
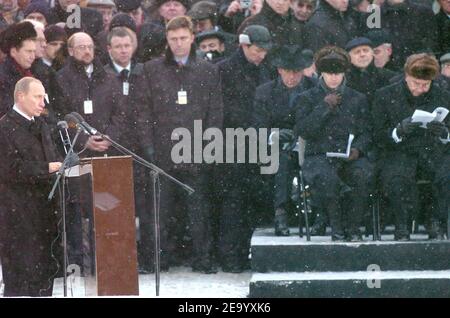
(182, 97)
(88, 108)
(125, 88)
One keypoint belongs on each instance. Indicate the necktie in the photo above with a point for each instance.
(124, 75)
(35, 127)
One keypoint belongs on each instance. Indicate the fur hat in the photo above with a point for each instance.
(185, 3)
(332, 59)
(127, 5)
(55, 33)
(422, 66)
(14, 35)
(37, 6)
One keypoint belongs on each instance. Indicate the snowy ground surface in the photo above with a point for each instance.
(179, 282)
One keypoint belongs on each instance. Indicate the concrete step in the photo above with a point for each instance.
(272, 253)
(361, 284)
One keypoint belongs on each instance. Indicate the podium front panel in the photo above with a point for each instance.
(113, 228)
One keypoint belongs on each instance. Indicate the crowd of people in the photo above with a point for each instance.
(315, 71)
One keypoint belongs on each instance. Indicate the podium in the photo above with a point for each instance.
(109, 228)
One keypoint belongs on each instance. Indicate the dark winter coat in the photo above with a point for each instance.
(105, 91)
(274, 105)
(129, 133)
(367, 81)
(284, 30)
(9, 75)
(328, 131)
(239, 82)
(27, 218)
(160, 114)
(394, 103)
(412, 29)
(91, 20)
(327, 26)
(443, 33)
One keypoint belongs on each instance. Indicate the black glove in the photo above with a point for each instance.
(438, 129)
(333, 100)
(286, 135)
(407, 127)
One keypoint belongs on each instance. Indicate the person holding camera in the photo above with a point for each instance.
(233, 13)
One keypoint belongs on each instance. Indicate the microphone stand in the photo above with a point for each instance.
(155, 172)
(61, 174)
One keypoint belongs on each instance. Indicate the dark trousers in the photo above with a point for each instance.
(235, 223)
(287, 171)
(399, 175)
(341, 189)
(182, 216)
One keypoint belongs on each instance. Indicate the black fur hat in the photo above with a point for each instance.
(14, 35)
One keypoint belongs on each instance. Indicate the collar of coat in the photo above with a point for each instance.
(326, 7)
(14, 69)
(170, 60)
(405, 7)
(98, 73)
(274, 17)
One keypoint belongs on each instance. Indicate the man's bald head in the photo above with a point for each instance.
(81, 47)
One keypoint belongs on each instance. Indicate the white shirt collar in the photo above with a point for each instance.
(183, 59)
(89, 69)
(47, 62)
(21, 113)
(120, 68)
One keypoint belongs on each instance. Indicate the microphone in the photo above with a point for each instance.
(72, 121)
(88, 128)
(63, 133)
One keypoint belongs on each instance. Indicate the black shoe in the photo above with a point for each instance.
(402, 237)
(337, 237)
(211, 269)
(232, 269)
(436, 232)
(354, 238)
(318, 230)
(281, 223)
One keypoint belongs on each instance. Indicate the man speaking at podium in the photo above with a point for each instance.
(27, 218)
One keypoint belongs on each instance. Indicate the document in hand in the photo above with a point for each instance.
(421, 116)
(343, 155)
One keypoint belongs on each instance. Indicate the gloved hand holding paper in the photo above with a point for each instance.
(421, 116)
(343, 155)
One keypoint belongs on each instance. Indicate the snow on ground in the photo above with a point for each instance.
(179, 282)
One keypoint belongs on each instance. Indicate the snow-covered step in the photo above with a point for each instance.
(294, 254)
(351, 284)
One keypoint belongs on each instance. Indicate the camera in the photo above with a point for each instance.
(245, 4)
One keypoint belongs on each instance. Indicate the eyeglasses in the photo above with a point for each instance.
(84, 47)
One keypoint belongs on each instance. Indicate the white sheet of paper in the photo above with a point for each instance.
(424, 117)
(340, 154)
